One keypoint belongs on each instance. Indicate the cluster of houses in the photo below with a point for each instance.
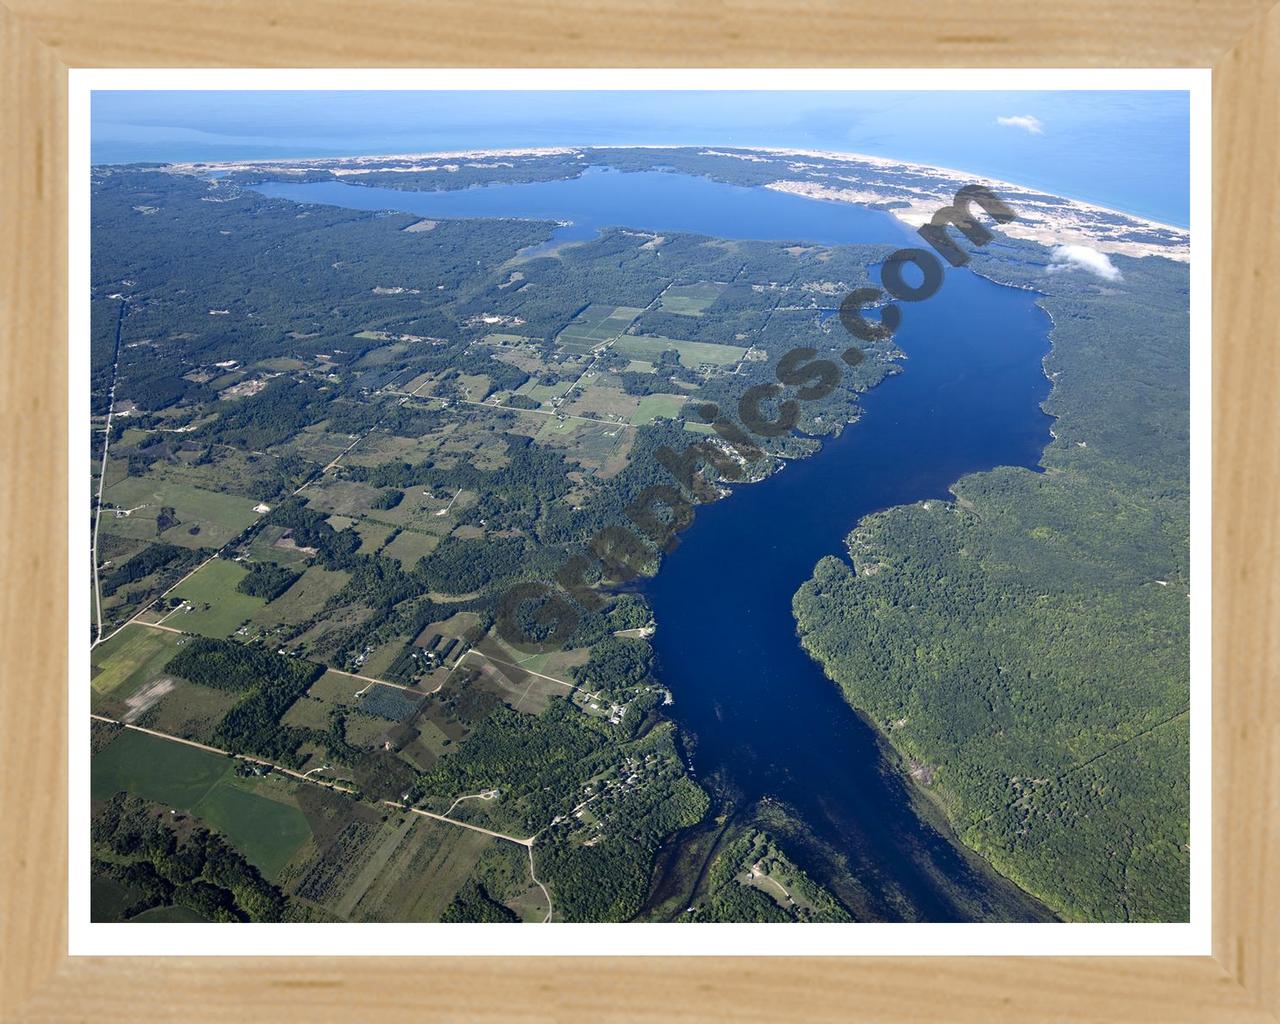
(625, 778)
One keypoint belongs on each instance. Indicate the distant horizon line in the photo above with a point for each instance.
(847, 155)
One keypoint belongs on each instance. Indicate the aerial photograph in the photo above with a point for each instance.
(637, 506)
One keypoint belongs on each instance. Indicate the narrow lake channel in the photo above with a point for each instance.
(764, 720)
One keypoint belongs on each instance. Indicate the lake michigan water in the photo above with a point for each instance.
(1128, 150)
(763, 718)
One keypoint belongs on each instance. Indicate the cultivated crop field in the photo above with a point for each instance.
(594, 326)
(134, 656)
(169, 773)
(258, 816)
(268, 830)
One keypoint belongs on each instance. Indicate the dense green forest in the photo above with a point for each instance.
(1025, 647)
(267, 580)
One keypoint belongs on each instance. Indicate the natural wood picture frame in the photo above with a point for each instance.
(42, 39)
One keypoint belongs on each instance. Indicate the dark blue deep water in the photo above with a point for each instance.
(765, 721)
(762, 711)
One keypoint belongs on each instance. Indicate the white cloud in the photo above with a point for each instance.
(1027, 121)
(1067, 257)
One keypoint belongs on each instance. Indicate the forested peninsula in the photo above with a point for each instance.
(1024, 647)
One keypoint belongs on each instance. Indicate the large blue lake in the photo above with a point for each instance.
(654, 200)
(1129, 150)
(764, 720)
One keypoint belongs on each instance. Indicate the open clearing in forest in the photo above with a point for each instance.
(304, 598)
(690, 299)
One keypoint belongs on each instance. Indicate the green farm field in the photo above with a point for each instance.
(215, 586)
(267, 831)
(653, 406)
(692, 353)
(410, 546)
(690, 299)
(594, 325)
(133, 656)
(170, 773)
(303, 599)
(219, 517)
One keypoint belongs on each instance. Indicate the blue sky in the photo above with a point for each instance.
(1129, 150)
